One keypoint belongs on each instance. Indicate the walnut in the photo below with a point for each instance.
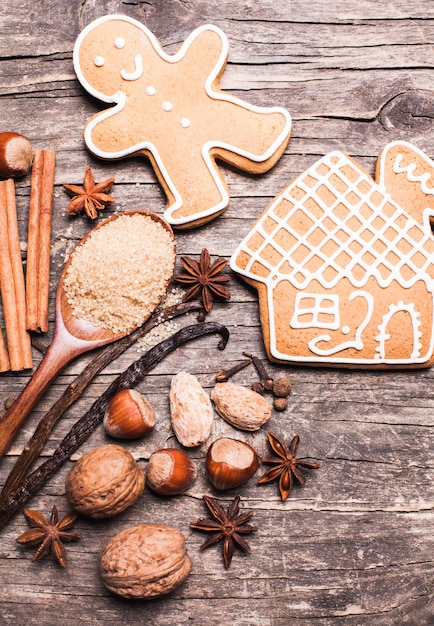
(144, 561)
(104, 482)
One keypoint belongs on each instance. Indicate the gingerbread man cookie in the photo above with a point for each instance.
(170, 109)
(344, 264)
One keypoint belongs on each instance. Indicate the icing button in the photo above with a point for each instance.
(167, 106)
(151, 91)
(185, 122)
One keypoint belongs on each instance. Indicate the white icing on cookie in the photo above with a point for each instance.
(357, 344)
(335, 225)
(308, 314)
(383, 336)
(409, 170)
(120, 99)
(138, 69)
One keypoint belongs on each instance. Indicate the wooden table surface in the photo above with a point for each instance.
(354, 545)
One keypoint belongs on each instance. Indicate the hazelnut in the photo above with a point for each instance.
(104, 482)
(170, 472)
(15, 155)
(230, 463)
(129, 415)
(145, 561)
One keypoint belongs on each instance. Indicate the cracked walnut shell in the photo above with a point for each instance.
(104, 482)
(145, 561)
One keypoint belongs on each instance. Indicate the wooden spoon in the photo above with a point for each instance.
(72, 337)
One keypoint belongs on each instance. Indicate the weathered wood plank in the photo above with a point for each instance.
(353, 546)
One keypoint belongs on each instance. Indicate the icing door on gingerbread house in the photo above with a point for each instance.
(343, 263)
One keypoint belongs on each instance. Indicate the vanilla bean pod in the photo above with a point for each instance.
(111, 352)
(94, 416)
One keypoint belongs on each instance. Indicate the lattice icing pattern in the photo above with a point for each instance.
(335, 221)
(343, 263)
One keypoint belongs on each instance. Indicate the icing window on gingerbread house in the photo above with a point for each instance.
(312, 310)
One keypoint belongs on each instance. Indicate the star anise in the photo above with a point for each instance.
(286, 465)
(92, 197)
(48, 535)
(228, 526)
(204, 280)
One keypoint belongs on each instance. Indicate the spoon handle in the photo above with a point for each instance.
(55, 359)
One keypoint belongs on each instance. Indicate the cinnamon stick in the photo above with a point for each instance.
(5, 364)
(18, 276)
(12, 281)
(33, 240)
(39, 239)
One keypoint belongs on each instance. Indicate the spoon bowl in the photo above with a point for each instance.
(72, 337)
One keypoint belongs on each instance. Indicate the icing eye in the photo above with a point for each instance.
(99, 61)
(119, 42)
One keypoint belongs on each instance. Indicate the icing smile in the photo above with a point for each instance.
(138, 69)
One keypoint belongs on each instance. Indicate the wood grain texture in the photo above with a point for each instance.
(354, 545)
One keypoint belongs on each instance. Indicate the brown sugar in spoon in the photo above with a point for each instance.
(72, 337)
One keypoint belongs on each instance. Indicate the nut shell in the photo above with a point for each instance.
(104, 482)
(129, 415)
(230, 463)
(144, 561)
(170, 472)
(191, 410)
(241, 407)
(15, 155)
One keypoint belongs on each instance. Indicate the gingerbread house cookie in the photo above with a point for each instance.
(170, 109)
(343, 264)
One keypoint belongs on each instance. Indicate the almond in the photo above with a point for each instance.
(190, 409)
(242, 407)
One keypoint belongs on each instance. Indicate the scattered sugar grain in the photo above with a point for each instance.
(165, 329)
(157, 334)
(120, 274)
(172, 297)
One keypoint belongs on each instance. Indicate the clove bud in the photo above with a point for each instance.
(223, 375)
(266, 380)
